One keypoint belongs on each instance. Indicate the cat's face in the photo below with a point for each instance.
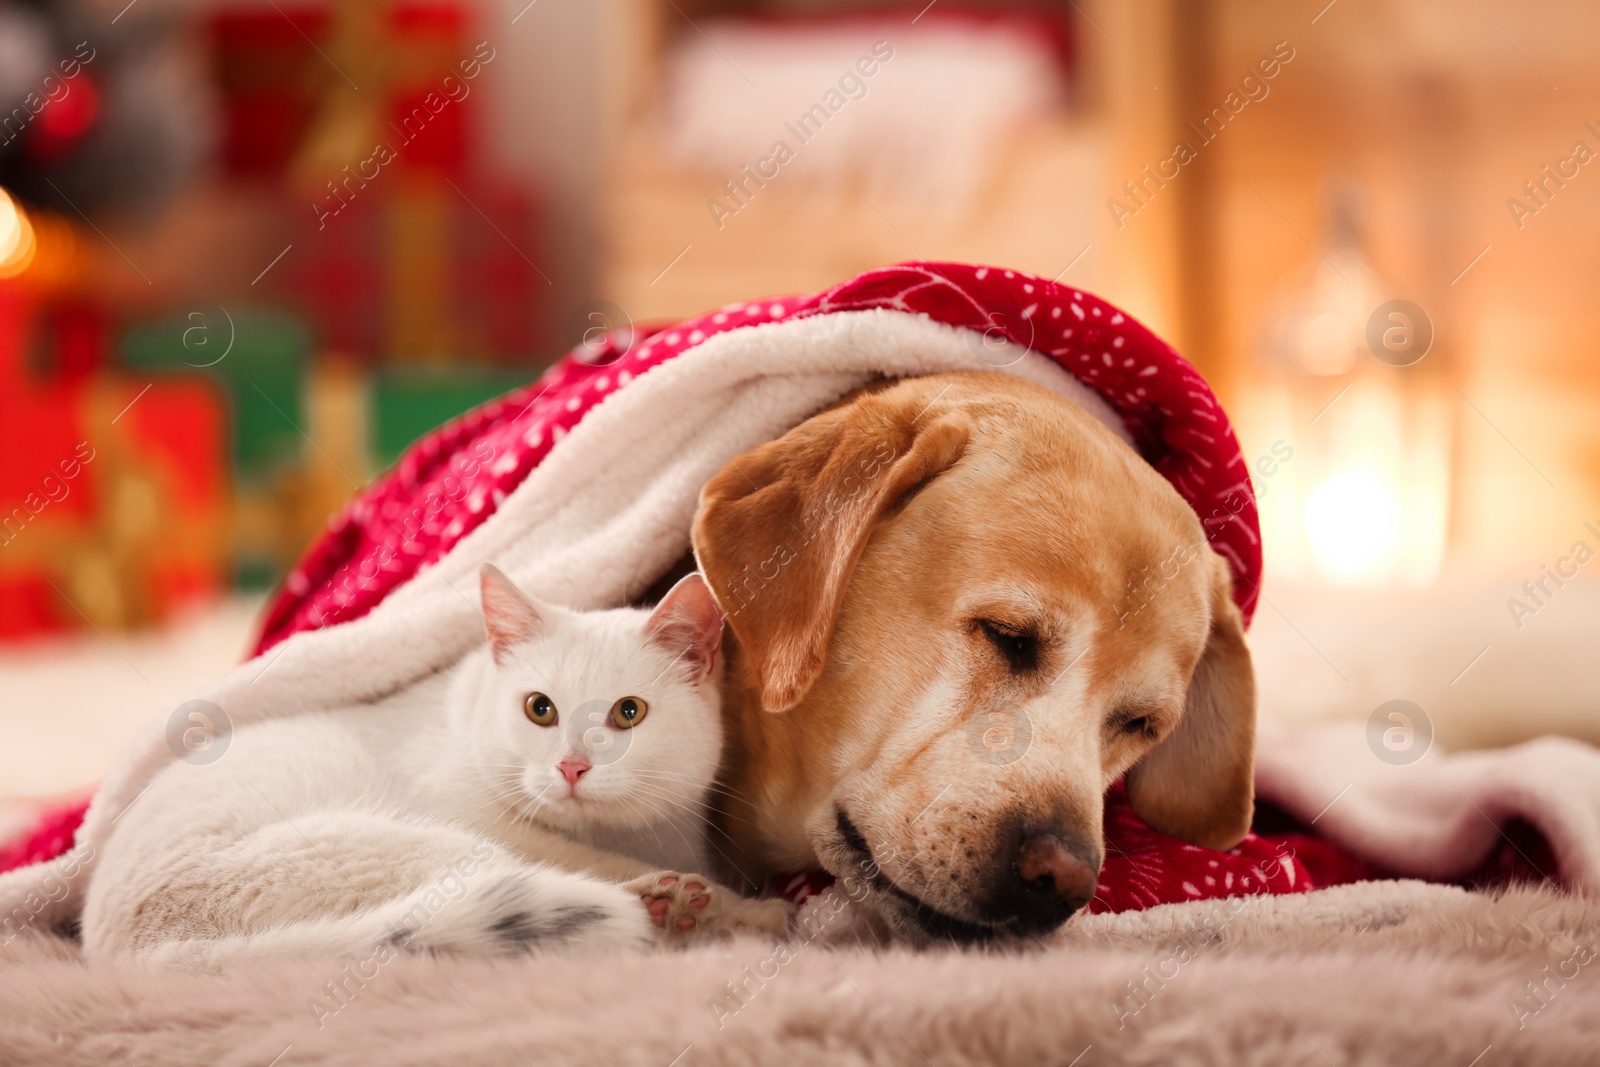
(599, 719)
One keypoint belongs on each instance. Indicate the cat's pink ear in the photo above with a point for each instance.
(509, 617)
(689, 621)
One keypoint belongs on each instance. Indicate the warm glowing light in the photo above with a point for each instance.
(1328, 344)
(17, 243)
(1354, 523)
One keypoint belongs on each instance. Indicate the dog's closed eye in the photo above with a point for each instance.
(1020, 647)
(1131, 722)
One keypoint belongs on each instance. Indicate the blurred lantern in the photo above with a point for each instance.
(1366, 498)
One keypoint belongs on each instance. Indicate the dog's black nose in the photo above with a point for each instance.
(1054, 878)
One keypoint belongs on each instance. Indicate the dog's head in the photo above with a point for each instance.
(960, 610)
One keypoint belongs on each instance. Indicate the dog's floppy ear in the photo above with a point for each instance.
(780, 529)
(1198, 782)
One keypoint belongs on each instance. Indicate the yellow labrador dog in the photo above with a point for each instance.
(945, 643)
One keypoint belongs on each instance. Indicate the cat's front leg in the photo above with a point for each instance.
(685, 907)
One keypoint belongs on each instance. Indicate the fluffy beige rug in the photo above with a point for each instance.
(1367, 974)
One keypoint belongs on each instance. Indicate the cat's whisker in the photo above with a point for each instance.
(505, 791)
(674, 776)
(681, 806)
(501, 786)
(653, 824)
(715, 787)
(726, 814)
(676, 804)
(674, 826)
(500, 799)
(660, 815)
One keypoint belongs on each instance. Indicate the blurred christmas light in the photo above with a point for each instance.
(1354, 522)
(17, 244)
(66, 120)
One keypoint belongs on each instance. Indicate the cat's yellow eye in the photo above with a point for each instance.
(628, 713)
(540, 709)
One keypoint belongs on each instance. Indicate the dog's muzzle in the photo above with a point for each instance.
(1046, 877)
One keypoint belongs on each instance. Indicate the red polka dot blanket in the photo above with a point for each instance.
(492, 483)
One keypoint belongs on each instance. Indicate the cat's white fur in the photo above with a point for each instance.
(438, 819)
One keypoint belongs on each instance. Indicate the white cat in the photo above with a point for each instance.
(530, 797)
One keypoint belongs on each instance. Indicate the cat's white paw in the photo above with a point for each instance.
(540, 909)
(683, 907)
(680, 906)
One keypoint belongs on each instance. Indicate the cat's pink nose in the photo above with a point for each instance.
(571, 770)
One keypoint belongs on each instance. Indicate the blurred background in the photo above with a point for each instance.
(250, 250)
